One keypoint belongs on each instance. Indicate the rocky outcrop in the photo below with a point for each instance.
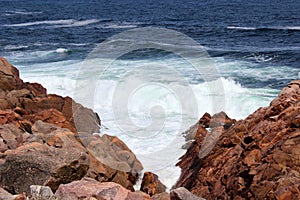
(48, 140)
(30, 101)
(151, 184)
(256, 158)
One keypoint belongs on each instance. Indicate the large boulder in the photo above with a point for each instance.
(51, 156)
(91, 189)
(112, 160)
(257, 158)
(47, 160)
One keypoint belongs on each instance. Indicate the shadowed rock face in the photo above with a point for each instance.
(151, 184)
(47, 140)
(257, 158)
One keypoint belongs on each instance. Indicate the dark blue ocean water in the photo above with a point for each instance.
(266, 33)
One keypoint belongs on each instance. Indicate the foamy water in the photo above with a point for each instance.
(158, 151)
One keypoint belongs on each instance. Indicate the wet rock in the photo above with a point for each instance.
(256, 158)
(151, 184)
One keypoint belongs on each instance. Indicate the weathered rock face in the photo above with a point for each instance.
(30, 101)
(47, 140)
(151, 185)
(257, 158)
(50, 159)
(90, 189)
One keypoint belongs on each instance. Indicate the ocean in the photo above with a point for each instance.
(150, 69)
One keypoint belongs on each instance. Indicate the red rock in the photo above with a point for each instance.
(114, 158)
(34, 152)
(151, 184)
(9, 76)
(256, 158)
(37, 89)
(205, 120)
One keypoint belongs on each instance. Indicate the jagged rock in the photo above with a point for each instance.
(39, 192)
(9, 76)
(256, 158)
(86, 189)
(221, 119)
(11, 137)
(205, 120)
(183, 194)
(151, 184)
(31, 102)
(114, 161)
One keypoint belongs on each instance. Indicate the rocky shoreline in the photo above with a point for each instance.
(254, 158)
(48, 150)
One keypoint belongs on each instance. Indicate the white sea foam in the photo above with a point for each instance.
(117, 26)
(57, 23)
(159, 152)
(78, 23)
(15, 47)
(266, 27)
(50, 22)
(61, 50)
(21, 12)
(241, 28)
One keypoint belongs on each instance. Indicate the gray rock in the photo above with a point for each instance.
(4, 195)
(39, 192)
(183, 194)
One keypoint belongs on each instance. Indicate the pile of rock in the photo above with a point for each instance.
(48, 140)
(256, 158)
(48, 150)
